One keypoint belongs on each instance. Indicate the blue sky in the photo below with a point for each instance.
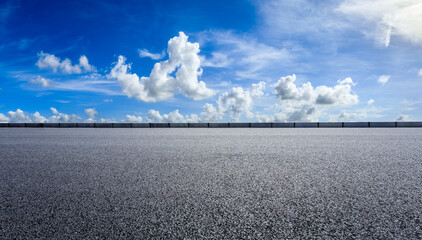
(210, 61)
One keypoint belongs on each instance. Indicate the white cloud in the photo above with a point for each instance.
(21, 117)
(420, 72)
(371, 101)
(210, 114)
(289, 112)
(250, 58)
(62, 117)
(155, 116)
(18, 117)
(403, 117)
(218, 60)
(133, 119)
(155, 56)
(55, 112)
(42, 81)
(91, 112)
(3, 118)
(387, 18)
(49, 61)
(160, 85)
(340, 94)
(383, 79)
(238, 100)
(108, 100)
(36, 117)
(350, 115)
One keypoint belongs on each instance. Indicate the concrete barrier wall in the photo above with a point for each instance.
(260, 125)
(330, 124)
(51, 125)
(140, 125)
(382, 124)
(306, 124)
(221, 125)
(85, 125)
(159, 125)
(33, 125)
(103, 125)
(356, 124)
(239, 125)
(67, 125)
(179, 125)
(283, 125)
(409, 124)
(122, 125)
(198, 125)
(218, 125)
(16, 124)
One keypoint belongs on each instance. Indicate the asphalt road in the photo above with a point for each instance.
(211, 183)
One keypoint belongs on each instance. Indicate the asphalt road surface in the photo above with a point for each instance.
(211, 183)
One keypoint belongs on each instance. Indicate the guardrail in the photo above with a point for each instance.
(220, 125)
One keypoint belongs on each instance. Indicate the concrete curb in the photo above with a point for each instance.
(220, 125)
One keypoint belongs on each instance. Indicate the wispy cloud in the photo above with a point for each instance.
(155, 56)
(386, 18)
(249, 58)
(383, 79)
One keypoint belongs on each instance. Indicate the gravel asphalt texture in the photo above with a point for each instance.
(210, 183)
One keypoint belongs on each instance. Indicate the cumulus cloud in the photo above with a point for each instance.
(387, 18)
(3, 118)
(18, 117)
(91, 112)
(21, 117)
(238, 100)
(210, 114)
(383, 79)
(42, 81)
(133, 119)
(62, 117)
(155, 116)
(371, 101)
(36, 117)
(340, 94)
(49, 61)
(160, 85)
(155, 56)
